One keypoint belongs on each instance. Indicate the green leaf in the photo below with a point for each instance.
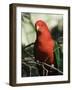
(57, 54)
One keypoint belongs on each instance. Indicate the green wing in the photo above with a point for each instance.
(58, 57)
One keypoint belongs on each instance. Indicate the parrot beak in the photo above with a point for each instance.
(37, 28)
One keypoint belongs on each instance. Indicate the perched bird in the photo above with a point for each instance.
(44, 44)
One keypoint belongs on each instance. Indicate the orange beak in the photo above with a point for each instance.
(37, 28)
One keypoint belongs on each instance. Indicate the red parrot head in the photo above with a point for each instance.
(41, 26)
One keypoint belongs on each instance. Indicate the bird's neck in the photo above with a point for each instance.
(44, 37)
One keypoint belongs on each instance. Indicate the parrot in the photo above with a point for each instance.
(44, 43)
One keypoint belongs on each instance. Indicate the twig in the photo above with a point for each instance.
(28, 65)
(44, 69)
(53, 68)
(29, 54)
(28, 45)
(41, 63)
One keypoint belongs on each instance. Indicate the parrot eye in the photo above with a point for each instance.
(41, 25)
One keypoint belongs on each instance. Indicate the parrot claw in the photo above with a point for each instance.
(52, 65)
